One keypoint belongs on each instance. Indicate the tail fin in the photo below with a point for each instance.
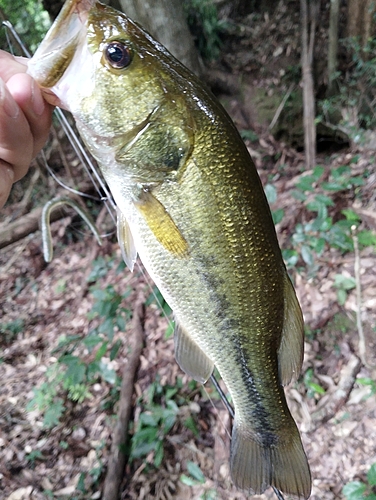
(254, 467)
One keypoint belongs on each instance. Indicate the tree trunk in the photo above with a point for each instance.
(164, 20)
(333, 45)
(308, 28)
(359, 19)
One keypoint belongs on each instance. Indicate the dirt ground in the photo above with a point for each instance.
(42, 302)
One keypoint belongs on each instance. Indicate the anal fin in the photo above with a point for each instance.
(191, 359)
(291, 349)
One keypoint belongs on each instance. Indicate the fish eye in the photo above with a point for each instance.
(118, 55)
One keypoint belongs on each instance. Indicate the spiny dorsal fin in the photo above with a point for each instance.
(291, 349)
(191, 359)
(162, 225)
(126, 242)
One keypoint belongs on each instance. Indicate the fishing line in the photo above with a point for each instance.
(78, 148)
(230, 409)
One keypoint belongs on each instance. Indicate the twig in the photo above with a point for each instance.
(29, 223)
(358, 290)
(117, 460)
(281, 106)
(341, 393)
(28, 192)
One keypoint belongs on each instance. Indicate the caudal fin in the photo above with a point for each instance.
(255, 467)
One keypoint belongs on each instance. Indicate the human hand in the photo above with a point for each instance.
(25, 119)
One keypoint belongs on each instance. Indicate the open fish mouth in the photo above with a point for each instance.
(56, 51)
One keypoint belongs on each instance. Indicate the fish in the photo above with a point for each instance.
(191, 205)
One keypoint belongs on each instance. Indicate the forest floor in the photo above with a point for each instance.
(333, 402)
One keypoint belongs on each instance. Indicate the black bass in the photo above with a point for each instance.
(192, 206)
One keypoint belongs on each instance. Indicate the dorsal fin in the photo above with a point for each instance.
(191, 359)
(291, 349)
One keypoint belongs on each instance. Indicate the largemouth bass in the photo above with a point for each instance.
(192, 206)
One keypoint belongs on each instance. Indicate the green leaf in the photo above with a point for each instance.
(318, 172)
(278, 215)
(81, 483)
(169, 330)
(316, 388)
(248, 134)
(53, 414)
(148, 419)
(298, 195)
(271, 193)
(340, 171)
(307, 255)
(367, 238)
(332, 186)
(92, 340)
(371, 475)
(319, 246)
(195, 471)
(350, 215)
(341, 297)
(188, 481)
(344, 282)
(305, 183)
(354, 490)
(191, 425)
(108, 374)
(159, 452)
(115, 349)
(101, 351)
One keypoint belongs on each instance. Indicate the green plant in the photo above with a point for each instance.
(271, 195)
(353, 104)
(325, 227)
(161, 408)
(155, 297)
(313, 388)
(366, 381)
(343, 284)
(29, 19)
(70, 378)
(359, 490)
(205, 25)
(33, 456)
(9, 330)
(195, 477)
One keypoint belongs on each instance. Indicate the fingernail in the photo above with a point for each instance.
(10, 173)
(9, 105)
(37, 99)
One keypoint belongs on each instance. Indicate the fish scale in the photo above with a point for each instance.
(191, 204)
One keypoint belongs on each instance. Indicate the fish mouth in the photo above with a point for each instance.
(57, 49)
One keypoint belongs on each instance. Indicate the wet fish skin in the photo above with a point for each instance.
(192, 205)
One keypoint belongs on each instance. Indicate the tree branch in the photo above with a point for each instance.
(118, 459)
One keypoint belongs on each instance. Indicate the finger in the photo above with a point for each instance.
(6, 181)
(16, 140)
(38, 113)
(10, 65)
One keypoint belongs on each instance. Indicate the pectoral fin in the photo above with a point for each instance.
(162, 225)
(191, 359)
(291, 350)
(126, 242)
